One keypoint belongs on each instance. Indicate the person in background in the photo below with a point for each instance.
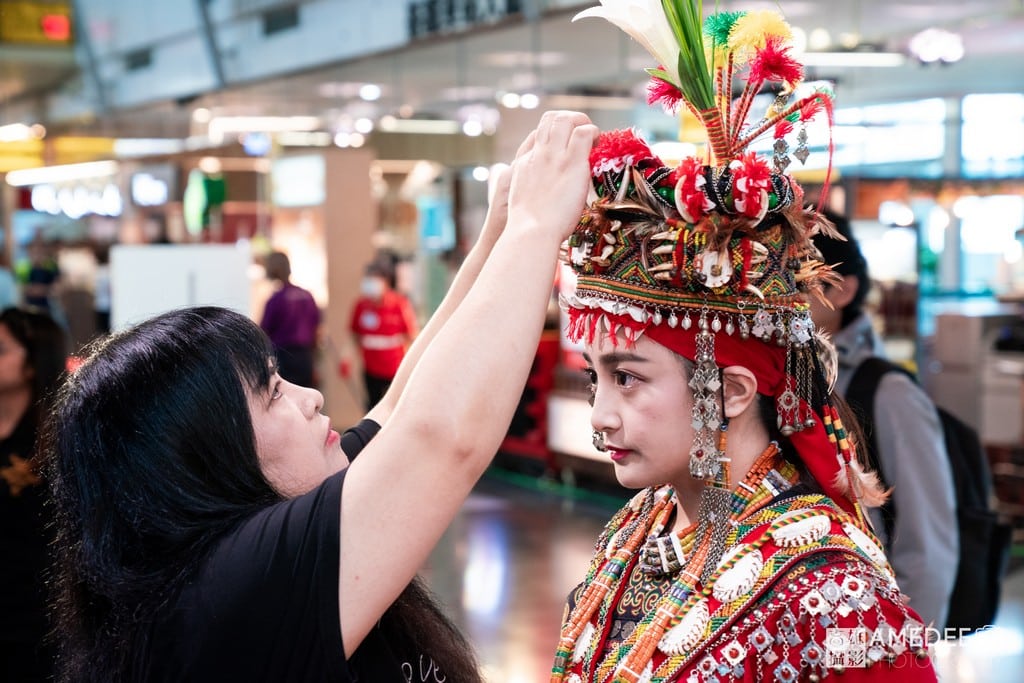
(42, 277)
(383, 324)
(923, 547)
(209, 524)
(101, 289)
(291, 319)
(33, 350)
(9, 295)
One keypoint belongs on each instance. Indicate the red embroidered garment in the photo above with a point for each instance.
(802, 593)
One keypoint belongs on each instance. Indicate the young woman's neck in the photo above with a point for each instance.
(746, 440)
(13, 405)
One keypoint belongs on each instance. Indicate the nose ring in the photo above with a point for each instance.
(598, 441)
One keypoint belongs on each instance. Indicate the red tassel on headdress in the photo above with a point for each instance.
(665, 94)
(783, 128)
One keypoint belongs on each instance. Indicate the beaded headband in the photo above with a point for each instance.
(713, 257)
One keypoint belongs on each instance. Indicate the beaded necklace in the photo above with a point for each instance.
(767, 477)
(665, 554)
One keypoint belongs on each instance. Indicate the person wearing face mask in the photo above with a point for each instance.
(383, 324)
(291, 319)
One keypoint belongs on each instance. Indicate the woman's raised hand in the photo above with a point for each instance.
(551, 174)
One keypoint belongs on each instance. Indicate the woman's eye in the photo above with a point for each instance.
(592, 388)
(623, 379)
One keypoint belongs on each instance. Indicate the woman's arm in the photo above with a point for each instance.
(454, 410)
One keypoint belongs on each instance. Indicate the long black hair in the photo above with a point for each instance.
(152, 457)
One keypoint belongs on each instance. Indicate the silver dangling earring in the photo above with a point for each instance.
(598, 441)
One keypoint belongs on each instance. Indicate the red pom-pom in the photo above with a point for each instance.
(692, 202)
(751, 182)
(617, 149)
(664, 93)
(774, 63)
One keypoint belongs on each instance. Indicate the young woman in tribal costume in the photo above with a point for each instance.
(746, 555)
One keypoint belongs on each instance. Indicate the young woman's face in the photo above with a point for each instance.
(642, 403)
(296, 446)
(14, 374)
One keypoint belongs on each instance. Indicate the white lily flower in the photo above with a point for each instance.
(645, 22)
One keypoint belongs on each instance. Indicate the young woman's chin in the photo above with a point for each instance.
(633, 478)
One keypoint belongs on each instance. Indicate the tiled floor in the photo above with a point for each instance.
(505, 565)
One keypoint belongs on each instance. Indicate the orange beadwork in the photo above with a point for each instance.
(635, 652)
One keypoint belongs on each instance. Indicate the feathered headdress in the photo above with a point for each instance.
(713, 257)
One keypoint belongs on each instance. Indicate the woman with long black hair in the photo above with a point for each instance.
(203, 534)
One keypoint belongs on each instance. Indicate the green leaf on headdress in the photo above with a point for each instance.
(696, 83)
(718, 25)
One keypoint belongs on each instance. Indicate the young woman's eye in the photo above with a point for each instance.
(275, 392)
(624, 379)
(592, 388)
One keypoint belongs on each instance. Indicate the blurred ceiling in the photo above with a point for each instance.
(587, 65)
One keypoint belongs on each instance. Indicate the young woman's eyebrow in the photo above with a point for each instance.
(615, 357)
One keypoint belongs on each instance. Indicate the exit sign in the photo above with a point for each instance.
(25, 22)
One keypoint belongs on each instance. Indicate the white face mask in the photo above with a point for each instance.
(371, 287)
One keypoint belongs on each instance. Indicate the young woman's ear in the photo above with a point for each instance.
(740, 386)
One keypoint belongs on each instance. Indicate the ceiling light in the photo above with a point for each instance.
(303, 139)
(819, 39)
(221, 125)
(59, 174)
(363, 125)
(421, 126)
(853, 59)
(210, 165)
(937, 45)
(144, 147)
(510, 100)
(529, 101)
(481, 173)
(201, 115)
(18, 132)
(472, 128)
(370, 92)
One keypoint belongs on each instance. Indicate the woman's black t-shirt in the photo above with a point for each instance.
(264, 605)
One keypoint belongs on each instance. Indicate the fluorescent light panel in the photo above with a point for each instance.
(60, 174)
(853, 59)
(423, 126)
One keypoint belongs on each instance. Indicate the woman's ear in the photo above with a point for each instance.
(740, 388)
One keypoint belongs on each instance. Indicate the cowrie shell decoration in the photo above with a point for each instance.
(688, 632)
(865, 543)
(740, 578)
(802, 532)
(583, 643)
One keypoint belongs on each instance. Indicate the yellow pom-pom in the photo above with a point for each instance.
(753, 29)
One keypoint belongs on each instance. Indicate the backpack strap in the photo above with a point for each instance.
(860, 396)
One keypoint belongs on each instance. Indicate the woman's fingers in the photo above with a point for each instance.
(551, 175)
